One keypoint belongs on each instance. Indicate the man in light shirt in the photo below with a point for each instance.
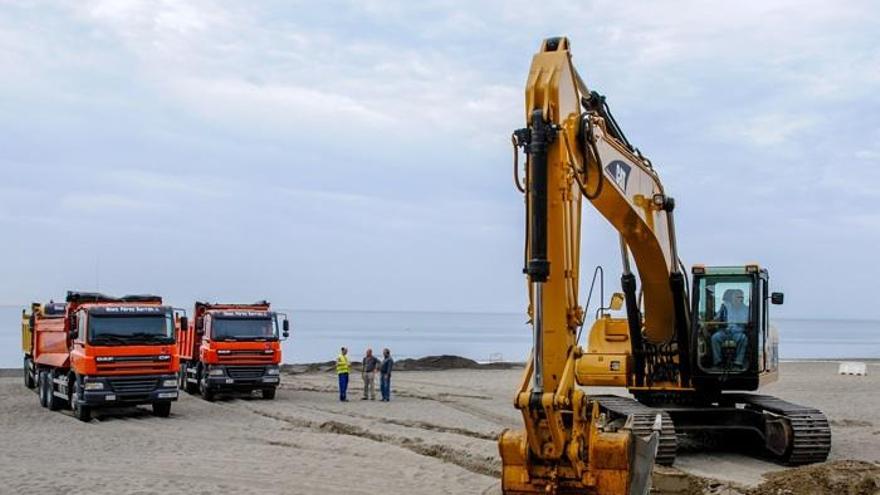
(370, 367)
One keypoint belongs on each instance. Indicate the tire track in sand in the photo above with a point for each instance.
(420, 425)
(443, 398)
(487, 466)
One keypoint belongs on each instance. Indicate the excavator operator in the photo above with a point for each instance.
(732, 335)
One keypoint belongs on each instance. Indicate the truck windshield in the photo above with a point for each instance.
(243, 329)
(130, 329)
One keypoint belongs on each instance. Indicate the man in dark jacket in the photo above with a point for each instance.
(385, 375)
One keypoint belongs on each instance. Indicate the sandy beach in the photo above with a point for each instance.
(437, 435)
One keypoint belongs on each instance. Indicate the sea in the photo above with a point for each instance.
(316, 336)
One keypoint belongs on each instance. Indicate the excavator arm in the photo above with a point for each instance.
(567, 445)
(622, 185)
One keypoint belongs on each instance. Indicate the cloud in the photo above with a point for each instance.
(133, 18)
(265, 105)
(768, 129)
(104, 202)
(373, 133)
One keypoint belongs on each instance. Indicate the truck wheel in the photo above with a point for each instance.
(206, 392)
(82, 413)
(55, 402)
(161, 409)
(189, 387)
(268, 393)
(42, 381)
(28, 376)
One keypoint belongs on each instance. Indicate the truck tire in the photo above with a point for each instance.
(82, 413)
(162, 409)
(55, 402)
(206, 392)
(189, 387)
(28, 376)
(42, 382)
(268, 393)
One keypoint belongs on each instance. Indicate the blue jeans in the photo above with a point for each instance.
(385, 386)
(738, 336)
(343, 385)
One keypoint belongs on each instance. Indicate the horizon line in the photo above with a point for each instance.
(493, 312)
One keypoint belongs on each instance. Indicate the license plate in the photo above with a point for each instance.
(230, 380)
(167, 395)
(110, 397)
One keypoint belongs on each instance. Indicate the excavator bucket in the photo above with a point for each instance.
(643, 455)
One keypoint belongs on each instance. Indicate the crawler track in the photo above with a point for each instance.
(810, 432)
(643, 423)
(808, 435)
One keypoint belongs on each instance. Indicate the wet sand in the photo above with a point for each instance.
(438, 435)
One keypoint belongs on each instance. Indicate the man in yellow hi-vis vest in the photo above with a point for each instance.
(342, 368)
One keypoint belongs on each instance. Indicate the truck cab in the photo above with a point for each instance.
(732, 335)
(233, 348)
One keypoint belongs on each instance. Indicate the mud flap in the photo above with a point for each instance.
(644, 452)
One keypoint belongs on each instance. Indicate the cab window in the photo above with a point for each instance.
(725, 322)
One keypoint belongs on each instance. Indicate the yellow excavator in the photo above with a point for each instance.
(685, 355)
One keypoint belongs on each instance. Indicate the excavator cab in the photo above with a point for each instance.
(733, 340)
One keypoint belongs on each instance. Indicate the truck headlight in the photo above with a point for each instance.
(273, 371)
(169, 383)
(216, 372)
(93, 386)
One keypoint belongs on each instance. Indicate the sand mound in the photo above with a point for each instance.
(436, 363)
(446, 362)
(428, 363)
(833, 478)
(309, 367)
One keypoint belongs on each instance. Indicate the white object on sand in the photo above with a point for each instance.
(853, 368)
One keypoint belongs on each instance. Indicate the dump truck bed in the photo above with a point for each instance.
(51, 347)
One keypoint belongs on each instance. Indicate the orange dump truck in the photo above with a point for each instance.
(97, 351)
(232, 348)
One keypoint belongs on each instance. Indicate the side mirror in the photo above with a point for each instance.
(184, 323)
(285, 326)
(74, 331)
(777, 298)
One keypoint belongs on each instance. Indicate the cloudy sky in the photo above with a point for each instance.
(356, 155)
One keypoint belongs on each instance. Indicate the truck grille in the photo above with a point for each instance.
(133, 386)
(140, 367)
(245, 371)
(247, 356)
